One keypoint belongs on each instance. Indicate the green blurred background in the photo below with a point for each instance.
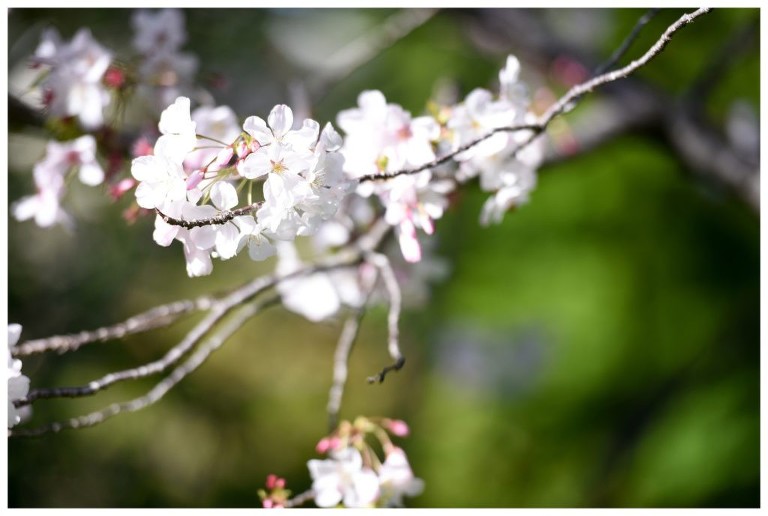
(600, 347)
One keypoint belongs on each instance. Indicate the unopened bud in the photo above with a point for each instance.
(222, 159)
(116, 191)
(194, 179)
(323, 446)
(114, 78)
(398, 427)
(142, 147)
(241, 149)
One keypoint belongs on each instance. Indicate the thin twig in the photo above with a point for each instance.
(577, 91)
(219, 308)
(221, 218)
(299, 499)
(393, 318)
(562, 105)
(340, 360)
(156, 317)
(442, 159)
(346, 341)
(619, 52)
(179, 373)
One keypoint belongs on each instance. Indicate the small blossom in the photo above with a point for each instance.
(74, 85)
(343, 478)
(396, 479)
(214, 123)
(178, 131)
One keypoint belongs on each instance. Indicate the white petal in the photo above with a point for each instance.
(91, 174)
(14, 332)
(257, 127)
(227, 238)
(280, 120)
(224, 196)
(256, 164)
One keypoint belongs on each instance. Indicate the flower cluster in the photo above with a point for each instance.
(164, 71)
(73, 85)
(276, 495)
(502, 169)
(354, 476)
(383, 138)
(300, 172)
(50, 178)
(18, 384)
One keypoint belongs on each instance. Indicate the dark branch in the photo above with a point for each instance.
(221, 218)
(619, 52)
(379, 378)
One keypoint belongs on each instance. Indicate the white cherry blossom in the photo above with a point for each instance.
(396, 479)
(160, 31)
(343, 479)
(178, 131)
(161, 180)
(218, 123)
(73, 84)
(252, 235)
(279, 123)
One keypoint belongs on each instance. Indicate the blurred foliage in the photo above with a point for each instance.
(600, 347)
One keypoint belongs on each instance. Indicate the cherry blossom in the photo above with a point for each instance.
(73, 87)
(49, 175)
(161, 180)
(215, 124)
(396, 479)
(157, 32)
(165, 71)
(178, 131)
(343, 479)
(312, 296)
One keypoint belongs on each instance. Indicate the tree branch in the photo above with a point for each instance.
(565, 103)
(193, 362)
(221, 218)
(154, 318)
(622, 49)
(393, 318)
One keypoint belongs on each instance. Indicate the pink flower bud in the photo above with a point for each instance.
(241, 149)
(398, 427)
(222, 159)
(114, 77)
(142, 147)
(116, 191)
(323, 446)
(194, 179)
(272, 481)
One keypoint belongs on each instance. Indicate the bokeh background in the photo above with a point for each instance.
(600, 347)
